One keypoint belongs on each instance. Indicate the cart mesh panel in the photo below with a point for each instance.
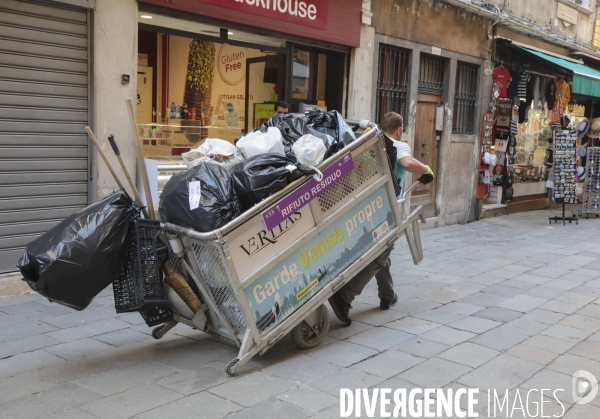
(215, 275)
(365, 167)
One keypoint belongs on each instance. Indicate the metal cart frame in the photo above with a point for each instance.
(210, 260)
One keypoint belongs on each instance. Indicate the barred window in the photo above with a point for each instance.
(392, 81)
(432, 71)
(465, 99)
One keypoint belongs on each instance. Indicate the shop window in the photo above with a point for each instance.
(431, 74)
(392, 81)
(465, 99)
(309, 73)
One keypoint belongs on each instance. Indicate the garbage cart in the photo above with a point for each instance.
(270, 271)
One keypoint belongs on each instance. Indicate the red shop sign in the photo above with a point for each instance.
(336, 21)
(302, 12)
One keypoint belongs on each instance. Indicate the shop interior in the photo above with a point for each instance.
(199, 79)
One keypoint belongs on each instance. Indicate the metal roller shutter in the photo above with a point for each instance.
(43, 112)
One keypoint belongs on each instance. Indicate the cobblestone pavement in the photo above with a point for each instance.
(505, 303)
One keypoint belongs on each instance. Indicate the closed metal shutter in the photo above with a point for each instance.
(43, 112)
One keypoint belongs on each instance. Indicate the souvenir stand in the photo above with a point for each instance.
(591, 190)
(564, 142)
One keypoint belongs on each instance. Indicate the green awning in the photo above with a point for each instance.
(586, 80)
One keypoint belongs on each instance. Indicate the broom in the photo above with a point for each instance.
(182, 288)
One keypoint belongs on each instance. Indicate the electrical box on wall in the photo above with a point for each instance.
(439, 119)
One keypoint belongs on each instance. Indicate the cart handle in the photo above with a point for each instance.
(407, 191)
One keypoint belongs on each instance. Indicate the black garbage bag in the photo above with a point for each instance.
(213, 201)
(78, 258)
(332, 125)
(260, 176)
(328, 126)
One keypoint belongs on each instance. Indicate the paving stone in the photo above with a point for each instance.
(498, 314)
(379, 338)
(465, 287)
(590, 273)
(415, 305)
(469, 354)
(522, 303)
(434, 373)
(309, 398)
(339, 331)
(567, 333)
(442, 296)
(524, 326)
(122, 337)
(582, 322)
(342, 353)
(30, 361)
(374, 316)
(483, 299)
(532, 354)
(474, 324)
(412, 325)
(587, 349)
(388, 364)
(204, 405)
(131, 402)
(568, 364)
(549, 343)
(28, 344)
(527, 281)
(198, 379)
(587, 290)
(121, 379)
(590, 310)
(74, 413)
(78, 348)
(503, 290)
(486, 279)
(501, 373)
(461, 308)
(252, 388)
(544, 291)
(499, 339)
(22, 385)
(574, 298)
(49, 402)
(273, 409)
(12, 332)
(544, 316)
(301, 368)
(585, 411)
(448, 335)
(421, 347)
(352, 378)
(552, 380)
(68, 334)
(438, 315)
(78, 318)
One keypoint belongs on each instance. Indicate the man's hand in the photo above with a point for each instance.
(427, 177)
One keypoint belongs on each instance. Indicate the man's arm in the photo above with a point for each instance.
(414, 166)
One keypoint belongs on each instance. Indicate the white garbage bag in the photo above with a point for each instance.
(213, 150)
(261, 143)
(309, 150)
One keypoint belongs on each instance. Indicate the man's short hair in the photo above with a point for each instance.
(281, 104)
(391, 121)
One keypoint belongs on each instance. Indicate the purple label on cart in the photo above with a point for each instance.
(280, 211)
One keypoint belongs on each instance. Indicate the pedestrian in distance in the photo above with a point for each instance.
(401, 162)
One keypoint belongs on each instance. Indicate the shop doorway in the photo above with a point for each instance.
(426, 148)
(263, 74)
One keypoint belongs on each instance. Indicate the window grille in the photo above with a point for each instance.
(465, 99)
(392, 81)
(431, 74)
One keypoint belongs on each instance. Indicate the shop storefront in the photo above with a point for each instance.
(216, 69)
(535, 93)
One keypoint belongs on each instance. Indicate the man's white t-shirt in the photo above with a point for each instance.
(402, 150)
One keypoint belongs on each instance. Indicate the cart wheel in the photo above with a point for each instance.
(576, 223)
(313, 329)
(232, 364)
(157, 332)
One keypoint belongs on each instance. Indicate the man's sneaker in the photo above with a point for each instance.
(385, 304)
(341, 309)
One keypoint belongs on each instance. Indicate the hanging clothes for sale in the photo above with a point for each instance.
(563, 90)
(513, 87)
(522, 90)
(501, 76)
(551, 94)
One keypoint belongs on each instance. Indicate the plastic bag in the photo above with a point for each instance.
(309, 150)
(328, 126)
(260, 176)
(259, 142)
(78, 258)
(213, 150)
(202, 198)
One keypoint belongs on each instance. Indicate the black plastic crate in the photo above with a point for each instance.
(139, 286)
